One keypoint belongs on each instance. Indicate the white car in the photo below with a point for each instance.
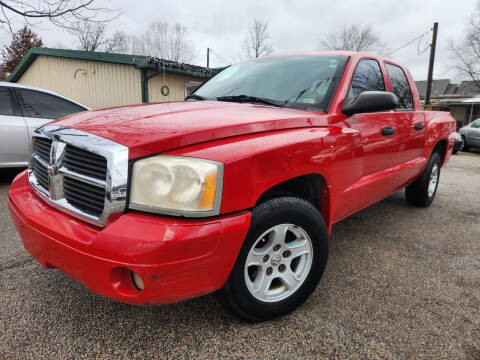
(22, 110)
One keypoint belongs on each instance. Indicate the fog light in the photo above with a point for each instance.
(137, 281)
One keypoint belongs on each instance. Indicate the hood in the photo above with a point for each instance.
(153, 128)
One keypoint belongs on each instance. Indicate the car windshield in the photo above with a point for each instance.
(299, 81)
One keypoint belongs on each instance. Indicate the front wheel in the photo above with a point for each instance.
(281, 262)
(422, 191)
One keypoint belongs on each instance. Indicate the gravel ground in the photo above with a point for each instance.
(401, 283)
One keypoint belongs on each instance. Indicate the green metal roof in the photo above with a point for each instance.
(138, 61)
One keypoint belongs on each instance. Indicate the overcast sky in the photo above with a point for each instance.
(294, 25)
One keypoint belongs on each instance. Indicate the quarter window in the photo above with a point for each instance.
(5, 102)
(367, 77)
(400, 86)
(40, 105)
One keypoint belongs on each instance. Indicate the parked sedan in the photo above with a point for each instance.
(471, 135)
(22, 110)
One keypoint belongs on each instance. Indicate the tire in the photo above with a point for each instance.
(454, 151)
(257, 287)
(465, 146)
(422, 191)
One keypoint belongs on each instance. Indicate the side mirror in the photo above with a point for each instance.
(371, 101)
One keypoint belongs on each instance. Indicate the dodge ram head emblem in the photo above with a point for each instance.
(55, 186)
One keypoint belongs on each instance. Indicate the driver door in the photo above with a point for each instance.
(380, 144)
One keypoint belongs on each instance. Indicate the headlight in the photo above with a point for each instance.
(176, 185)
(458, 137)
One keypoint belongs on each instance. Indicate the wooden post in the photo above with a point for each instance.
(430, 64)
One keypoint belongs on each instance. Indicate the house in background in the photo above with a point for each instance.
(105, 79)
(461, 100)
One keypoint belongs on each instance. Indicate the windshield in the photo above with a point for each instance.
(298, 81)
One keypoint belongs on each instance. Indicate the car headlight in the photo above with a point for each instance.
(176, 185)
(458, 137)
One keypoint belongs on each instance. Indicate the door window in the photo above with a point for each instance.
(400, 86)
(476, 124)
(41, 105)
(6, 107)
(367, 77)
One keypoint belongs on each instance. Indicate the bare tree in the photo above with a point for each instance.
(62, 13)
(91, 36)
(167, 41)
(257, 42)
(465, 55)
(353, 38)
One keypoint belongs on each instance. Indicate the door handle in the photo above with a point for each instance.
(419, 127)
(387, 131)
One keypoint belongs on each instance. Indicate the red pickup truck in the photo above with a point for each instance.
(234, 190)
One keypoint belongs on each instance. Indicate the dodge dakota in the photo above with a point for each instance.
(234, 190)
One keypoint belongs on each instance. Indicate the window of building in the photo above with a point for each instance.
(191, 86)
(400, 86)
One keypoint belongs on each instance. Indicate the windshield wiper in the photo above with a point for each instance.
(248, 98)
(194, 97)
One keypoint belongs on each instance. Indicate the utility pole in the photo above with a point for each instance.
(208, 58)
(430, 64)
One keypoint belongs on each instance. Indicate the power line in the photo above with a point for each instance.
(410, 42)
(225, 61)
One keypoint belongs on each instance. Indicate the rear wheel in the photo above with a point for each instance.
(422, 191)
(281, 262)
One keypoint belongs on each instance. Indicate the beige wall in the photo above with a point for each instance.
(99, 84)
(175, 83)
(92, 83)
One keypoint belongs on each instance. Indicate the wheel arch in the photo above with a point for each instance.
(441, 147)
(310, 187)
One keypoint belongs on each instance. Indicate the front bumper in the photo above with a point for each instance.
(176, 258)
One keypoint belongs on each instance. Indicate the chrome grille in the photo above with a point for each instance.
(88, 198)
(85, 162)
(42, 147)
(81, 174)
(41, 173)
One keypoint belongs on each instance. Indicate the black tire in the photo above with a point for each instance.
(454, 151)
(235, 295)
(417, 193)
(465, 146)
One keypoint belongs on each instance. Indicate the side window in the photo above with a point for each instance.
(41, 105)
(400, 86)
(367, 77)
(476, 124)
(6, 107)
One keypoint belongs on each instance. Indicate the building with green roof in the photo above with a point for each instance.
(99, 80)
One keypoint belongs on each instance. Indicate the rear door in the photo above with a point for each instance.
(14, 140)
(39, 108)
(410, 125)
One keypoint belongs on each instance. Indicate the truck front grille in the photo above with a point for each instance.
(85, 162)
(79, 173)
(42, 147)
(88, 198)
(41, 173)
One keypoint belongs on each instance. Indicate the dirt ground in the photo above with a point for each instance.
(401, 283)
